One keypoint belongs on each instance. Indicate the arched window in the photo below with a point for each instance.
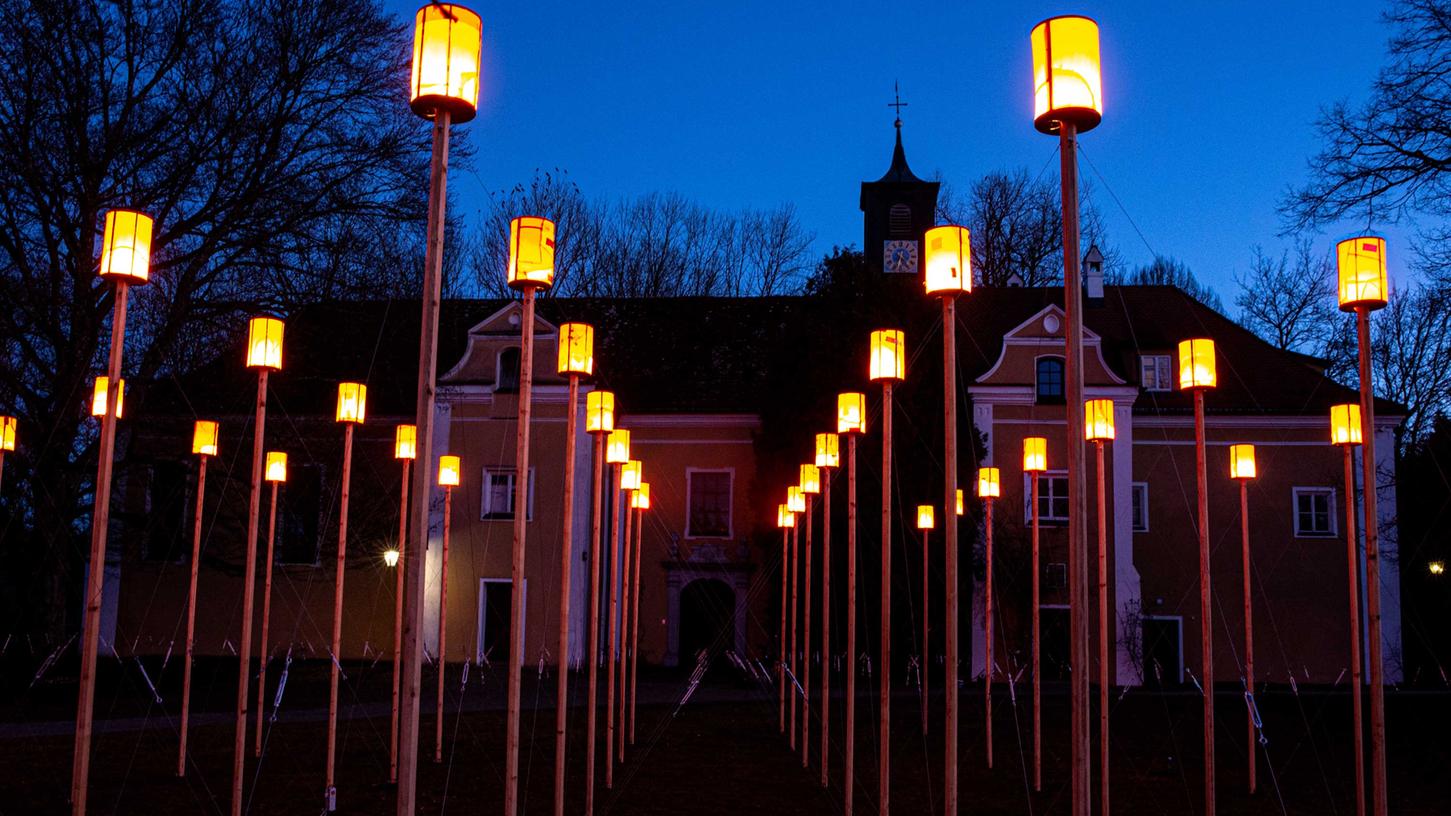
(899, 221)
(508, 376)
(1050, 379)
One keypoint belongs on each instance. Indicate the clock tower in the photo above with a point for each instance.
(897, 209)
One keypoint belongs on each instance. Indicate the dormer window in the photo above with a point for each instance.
(1156, 372)
(1049, 382)
(507, 378)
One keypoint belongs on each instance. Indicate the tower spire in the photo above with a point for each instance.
(898, 104)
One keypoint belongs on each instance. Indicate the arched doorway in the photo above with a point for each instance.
(707, 619)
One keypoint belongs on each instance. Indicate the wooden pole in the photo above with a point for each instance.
(593, 655)
(1249, 632)
(791, 692)
(611, 628)
(825, 618)
(1080, 752)
(884, 752)
(249, 588)
(196, 554)
(1103, 632)
(949, 549)
(926, 613)
(849, 785)
(635, 619)
(566, 562)
(398, 619)
(331, 793)
(785, 582)
(806, 645)
(1369, 482)
(521, 517)
(96, 572)
(988, 650)
(442, 626)
(622, 626)
(1206, 642)
(266, 620)
(1037, 648)
(1357, 691)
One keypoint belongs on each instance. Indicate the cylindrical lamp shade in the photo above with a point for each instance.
(204, 438)
(447, 41)
(632, 473)
(7, 433)
(599, 414)
(959, 509)
(1035, 454)
(352, 402)
(1345, 424)
(1197, 368)
(576, 348)
(98, 397)
(617, 447)
(449, 468)
(810, 479)
(926, 520)
(640, 498)
(276, 470)
(949, 260)
(989, 483)
(795, 499)
(785, 519)
(126, 246)
(828, 450)
(390, 558)
(1098, 419)
(1241, 461)
(264, 343)
(531, 252)
(1067, 75)
(889, 355)
(851, 413)
(1361, 265)
(405, 442)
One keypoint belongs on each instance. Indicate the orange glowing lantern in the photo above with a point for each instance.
(264, 343)
(1097, 420)
(352, 402)
(447, 41)
(204, 438)
(1067, 75)
(828, 450)
(7, 433)
(1035, 454)
(126, 247)
(926, 520)
(1345, 424)
(599, 415)
(889, 355)
(1362, 272)
(405, 442)
(959, 502)
(531, 252)
(631, 474)
(851, 413)
(1241, 461)
(1196, 364)
(98, 396)
(795, 499)
(640, 499)
(785, 519)
(949, 261)
(449, 468)
(276, 466)
(390, 557)
(989, 483)
(576, 348)
(810, 479)
(617, 447)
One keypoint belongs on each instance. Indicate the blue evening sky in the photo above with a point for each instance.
(1209, 106)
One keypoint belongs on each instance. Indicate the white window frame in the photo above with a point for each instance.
(1134, 521)
(1156, 364)
(486, 511)
(1028, 497)
(730, 502)
(1329, 494)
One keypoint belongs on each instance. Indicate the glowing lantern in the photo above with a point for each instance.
(7, 433)
(828, 450)
(1196, 364)
(959, 501)
(617, 447)
(1362, 272)
(795, 499)
(949, 261)
(448, 471)
(599, 413)
(405, 442)
(126, 246)
(1097, 420)
(810, 479)
(989, 483)
(631, 474)
(352, 402)
(576, 348)
(264, 343)
(1345, 424)
(785, 519)
(531, 252)
(390, 557)
(1067, 76)
(276, 466)
(1035, 454)
(1436, 567)
(851, 413)
(98, 396)
(447, 41)
(204, 438)
(640, 499)
(889, 355)
(1241, 461)
(925, 518)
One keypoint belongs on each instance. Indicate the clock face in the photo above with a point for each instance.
(899, 257)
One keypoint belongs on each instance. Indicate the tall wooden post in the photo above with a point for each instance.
(331, 792)
(1037, 646)
(949, 549)
(785, 649)
(196, 554)
(806, 644)
(442, 625)
(266, 619)
(521, 517)
(791, 684)
(566, 562)
(825, 618)
(1103, 631)
(611, 627)
(1369, 483)
(884, 753)
(249, 588)
(1206, 641)
(1249, 632)
(593, 655)
(989, 654)
(849, 785)
(398, 619)
(926, 614)
(96, 571)
(635, 618)
(631, 518)
(1357, 691)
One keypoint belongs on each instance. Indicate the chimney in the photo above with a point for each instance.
(1093, 276)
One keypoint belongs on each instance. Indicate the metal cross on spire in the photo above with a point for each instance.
(897, 103)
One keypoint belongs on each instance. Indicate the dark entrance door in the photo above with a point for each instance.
(1056, 649)
(707, 620)
(1163, 652)
(494, 613)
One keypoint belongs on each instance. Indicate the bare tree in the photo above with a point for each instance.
(1412, 356)
(1289, 301)
(1166, 271)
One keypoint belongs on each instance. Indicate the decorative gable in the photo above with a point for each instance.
(492, 336)
(1039, 336)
